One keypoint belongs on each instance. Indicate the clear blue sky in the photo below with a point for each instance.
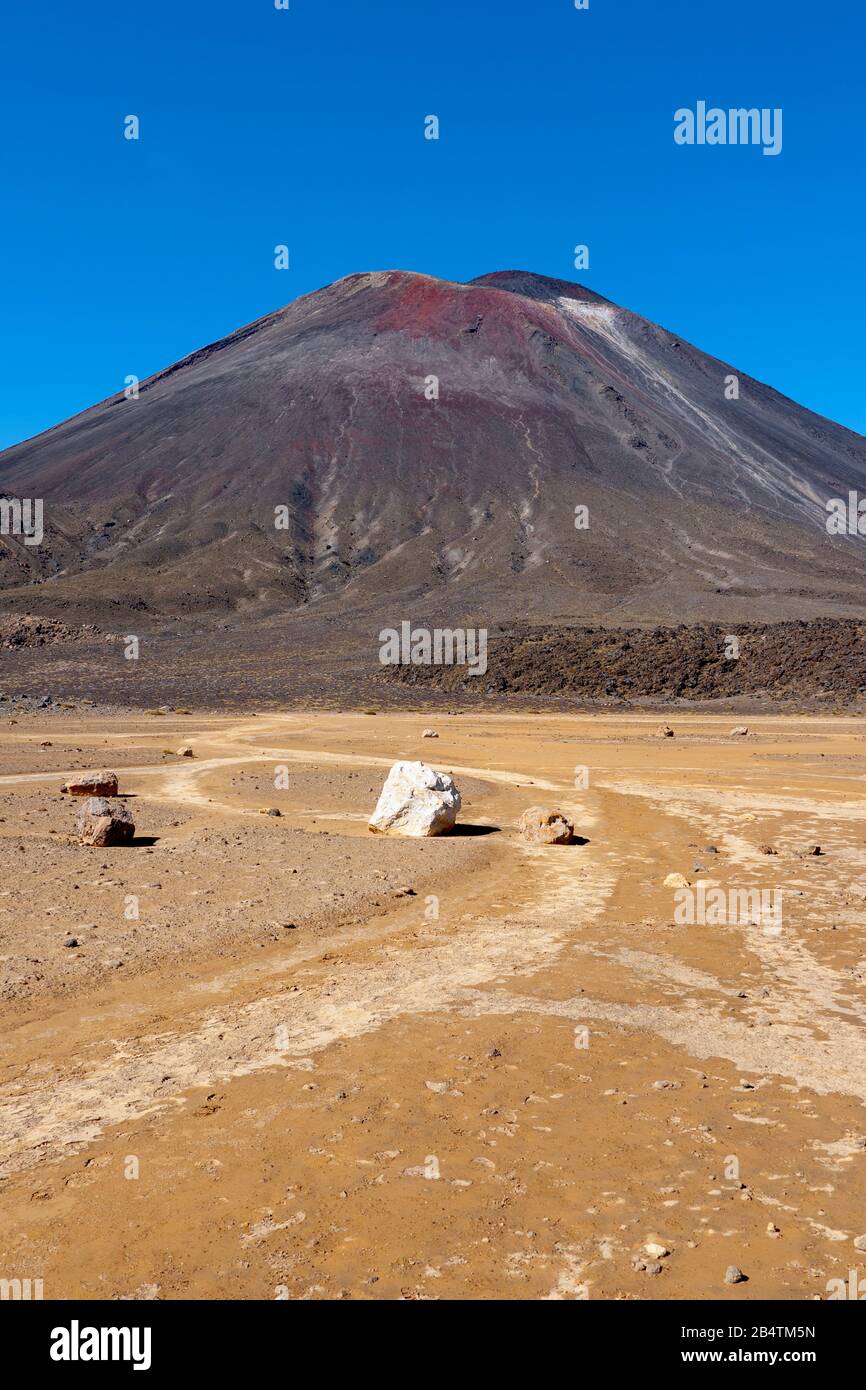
(261, 127)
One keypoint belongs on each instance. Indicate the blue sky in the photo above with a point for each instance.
(305, 127)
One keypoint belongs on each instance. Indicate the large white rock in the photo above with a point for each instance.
(416, 800)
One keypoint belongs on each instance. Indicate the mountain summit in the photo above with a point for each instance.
(514, 446)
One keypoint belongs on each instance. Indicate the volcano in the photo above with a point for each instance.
(515, 446)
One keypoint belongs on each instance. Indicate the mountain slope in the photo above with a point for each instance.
(549, 398)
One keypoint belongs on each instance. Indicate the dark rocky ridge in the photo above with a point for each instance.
(814, 665)
(800, 663)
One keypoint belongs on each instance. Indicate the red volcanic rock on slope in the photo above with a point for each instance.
(428, 443)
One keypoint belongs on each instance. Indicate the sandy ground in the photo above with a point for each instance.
(287, 1058)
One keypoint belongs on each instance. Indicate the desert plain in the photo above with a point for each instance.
(257, 1056)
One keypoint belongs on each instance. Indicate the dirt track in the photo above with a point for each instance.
(393, 1098)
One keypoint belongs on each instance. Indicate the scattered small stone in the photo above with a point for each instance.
(429, 733)
(71, 941)
(546, 825)
(734, 1275)
(665, 731)
(739, 731)
(185, 752)
(860, 1244)
(440, 1087)
(767, 849)
(773, 1230)
(677, 881)
(709, 849)
(667, 1085)
(655, 1250)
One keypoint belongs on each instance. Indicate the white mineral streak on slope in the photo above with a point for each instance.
(535, 546)
(756, 465)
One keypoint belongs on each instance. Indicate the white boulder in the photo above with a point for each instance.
(416, 800)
